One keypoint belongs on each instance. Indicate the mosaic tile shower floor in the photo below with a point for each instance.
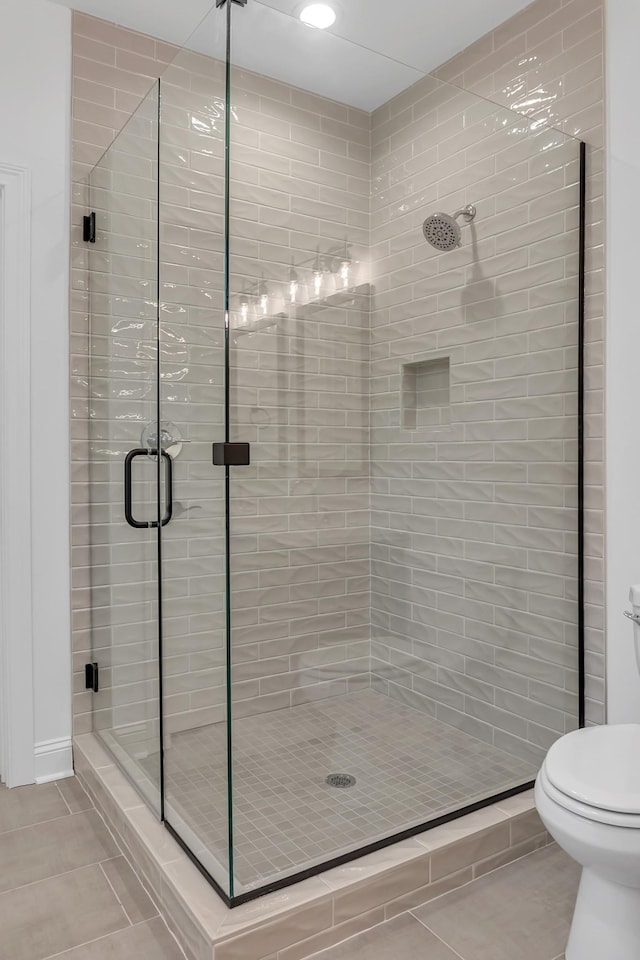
(408, 767)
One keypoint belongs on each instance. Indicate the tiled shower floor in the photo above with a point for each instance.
(408, 767)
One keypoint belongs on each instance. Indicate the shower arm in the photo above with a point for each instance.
(468, 212)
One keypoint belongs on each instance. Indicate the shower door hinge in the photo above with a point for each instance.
(91, 677)
(89, 228)
(221, 3)
(231, 454)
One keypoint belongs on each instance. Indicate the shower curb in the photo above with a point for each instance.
(297, 921)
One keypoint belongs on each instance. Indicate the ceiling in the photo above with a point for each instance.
(375, 49)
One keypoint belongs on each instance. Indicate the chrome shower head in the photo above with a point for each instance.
(443, 231)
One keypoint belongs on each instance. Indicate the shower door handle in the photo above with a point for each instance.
(128, 481)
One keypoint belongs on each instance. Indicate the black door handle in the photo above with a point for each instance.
(168, 478)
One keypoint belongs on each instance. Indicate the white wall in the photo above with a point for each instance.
(35, 71)
(623, 356)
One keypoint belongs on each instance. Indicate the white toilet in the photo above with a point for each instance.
(588, 797)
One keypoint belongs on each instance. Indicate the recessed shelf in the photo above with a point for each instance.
(425, 394)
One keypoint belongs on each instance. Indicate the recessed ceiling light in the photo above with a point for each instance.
(318, 15)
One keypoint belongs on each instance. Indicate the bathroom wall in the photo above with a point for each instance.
(300, 513)
(547, 63)
(434, 149)
(35, 61)
(474, 566)
(623, 348)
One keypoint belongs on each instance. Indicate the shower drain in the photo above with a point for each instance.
(340, 780)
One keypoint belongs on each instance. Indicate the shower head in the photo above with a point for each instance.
(443, 231)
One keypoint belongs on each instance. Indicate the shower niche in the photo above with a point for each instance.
(426, 394)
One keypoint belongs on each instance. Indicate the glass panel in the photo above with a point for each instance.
(192, 411)
(123, 277)
(403, 552)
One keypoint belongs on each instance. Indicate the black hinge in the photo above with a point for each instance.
(89, 228)
(231, 454)
(221, 3)
(91, 676)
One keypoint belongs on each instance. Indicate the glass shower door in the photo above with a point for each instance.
(299, 303)
(123, 470)
(193, 413)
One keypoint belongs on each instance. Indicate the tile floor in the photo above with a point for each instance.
(67, 893)
(520, 912)
(65, 889)
(408, 768)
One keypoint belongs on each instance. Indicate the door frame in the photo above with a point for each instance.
(16, 635)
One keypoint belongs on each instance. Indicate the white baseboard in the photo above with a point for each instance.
(53, 760)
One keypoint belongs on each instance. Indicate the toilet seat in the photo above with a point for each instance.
(611, 818)
(595, 773)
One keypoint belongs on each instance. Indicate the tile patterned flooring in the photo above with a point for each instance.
(68, 894)
(65, 889)
(409, 768)
(520, 912)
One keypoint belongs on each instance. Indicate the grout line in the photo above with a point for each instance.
(129, 859)
(28, 826)
(433, 933)
(54, 876)
(115, 893)
(65, 817)
(64, 799)
(65, 953)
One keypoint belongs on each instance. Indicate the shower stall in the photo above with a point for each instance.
(335, 470)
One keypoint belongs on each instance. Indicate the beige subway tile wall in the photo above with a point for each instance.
(547, 64)
(299, 395)
(474, 561)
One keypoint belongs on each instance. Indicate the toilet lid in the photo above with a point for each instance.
(599, 766)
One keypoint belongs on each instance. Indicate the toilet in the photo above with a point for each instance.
(588, 797)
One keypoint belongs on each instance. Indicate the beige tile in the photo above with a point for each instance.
(55, 847)
(145, 941)
(53, 915)
(508, 856)
(466, 852)
(332, 936)
(467, 826)
(128, 889)
(522, 910)
(375, 892)
(180, 917)
(74, 795)
(184, 889)
(272, 937)
(23, 806)
(402, 937)
(370, 866)
(288, 901)
(520, 803)
(525, 826)
(429, 892)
